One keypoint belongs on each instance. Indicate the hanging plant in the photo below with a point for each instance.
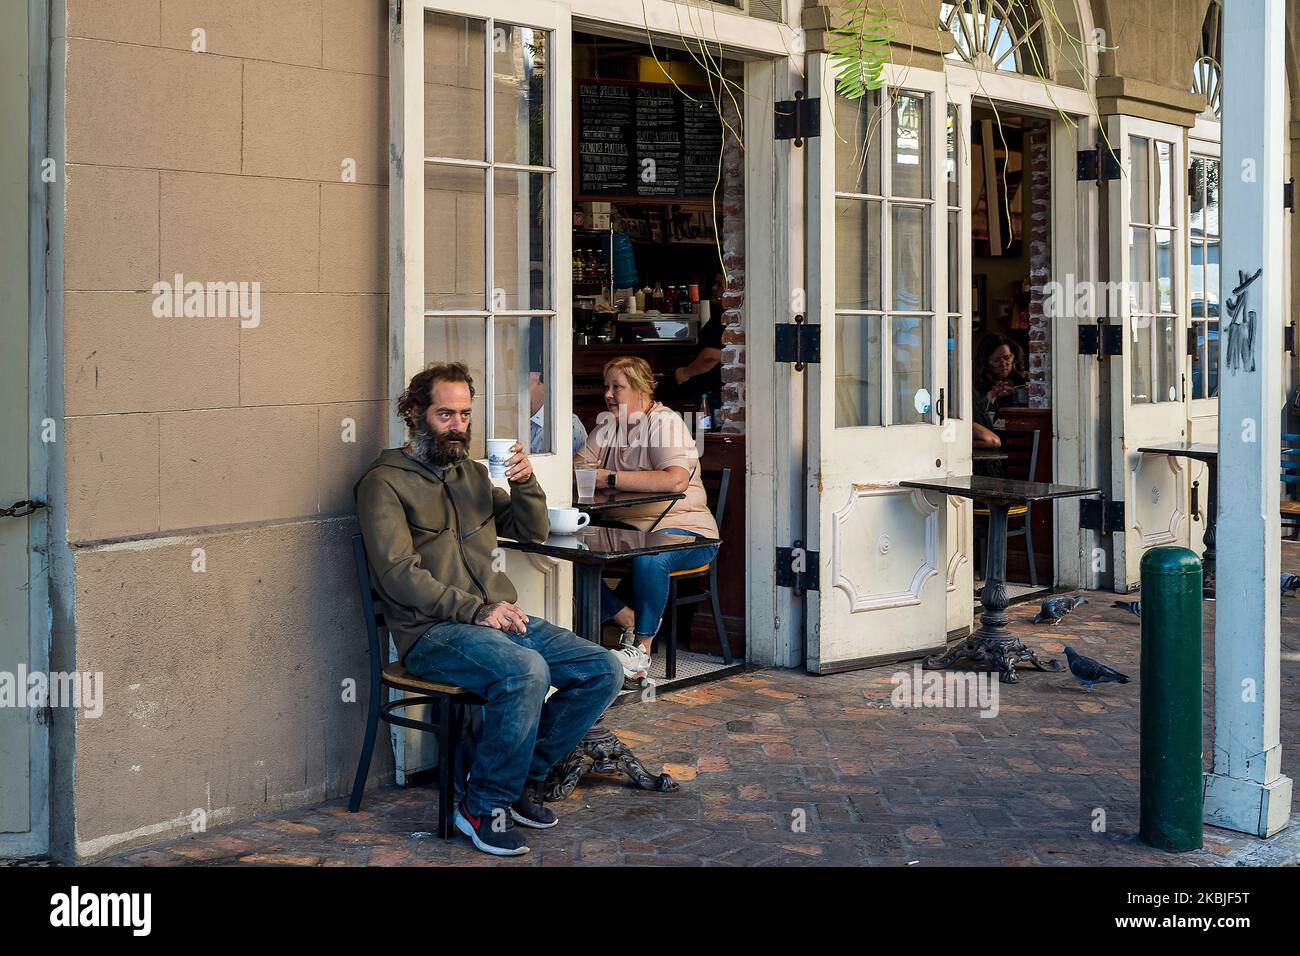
(859, 49)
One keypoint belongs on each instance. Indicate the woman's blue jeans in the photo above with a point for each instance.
(650, 583)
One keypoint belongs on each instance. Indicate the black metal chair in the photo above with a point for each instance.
(721, 478)
(447, 702)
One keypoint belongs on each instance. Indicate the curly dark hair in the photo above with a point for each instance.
(417, 398)
(990, 344)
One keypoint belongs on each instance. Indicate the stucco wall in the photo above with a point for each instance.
(222, 687)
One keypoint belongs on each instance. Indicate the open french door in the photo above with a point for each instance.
(480, 186)
(1149, 393)
(878, 219)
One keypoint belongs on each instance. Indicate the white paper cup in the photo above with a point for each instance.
(498, 451)
(567, 520)
(586, 479)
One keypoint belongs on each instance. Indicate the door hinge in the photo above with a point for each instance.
(796, 568)
(1097, 165)
(1101, 340)
(1101, 514)
(798, 342)
(1288, 194)
(797, 119)
(1288, 336)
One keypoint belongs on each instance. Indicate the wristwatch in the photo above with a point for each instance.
(611, 480)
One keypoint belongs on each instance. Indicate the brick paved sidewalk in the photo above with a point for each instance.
(760, 751)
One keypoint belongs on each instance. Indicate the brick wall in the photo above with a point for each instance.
(1040, 266)
(733, 257)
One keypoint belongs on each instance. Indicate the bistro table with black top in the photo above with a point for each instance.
(1207, 452)
(589, 549)
(992, 643)
(611, 499)
(600, 751)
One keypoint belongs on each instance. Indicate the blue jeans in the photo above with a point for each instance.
(650, 583)
(522, 737)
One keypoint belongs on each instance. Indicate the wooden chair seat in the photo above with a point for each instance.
(685, 571)
(395, 675)
(1013, 510)
(1290, 507)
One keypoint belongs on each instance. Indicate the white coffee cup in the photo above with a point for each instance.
(498, 451)
(567, 520)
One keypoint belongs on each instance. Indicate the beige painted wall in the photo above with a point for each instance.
(222, 688)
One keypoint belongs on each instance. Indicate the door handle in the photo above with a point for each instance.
(21, 509)
(938, 406)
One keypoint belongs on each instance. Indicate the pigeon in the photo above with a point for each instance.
(1133, 607)
(1087, 671)
(1053, 609)
(1290, 582)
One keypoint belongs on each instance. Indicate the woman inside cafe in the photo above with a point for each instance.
(642, 445)
(1000, 381)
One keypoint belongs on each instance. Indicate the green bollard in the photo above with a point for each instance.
(1171, 787)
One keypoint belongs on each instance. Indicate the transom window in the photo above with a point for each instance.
(1207, 71)
(996, 34)
(884, 217)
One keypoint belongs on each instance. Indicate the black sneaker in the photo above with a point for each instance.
(529, 811)
(499, 839)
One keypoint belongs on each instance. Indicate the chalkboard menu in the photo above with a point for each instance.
(645, 140)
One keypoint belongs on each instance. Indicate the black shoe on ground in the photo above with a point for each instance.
(500, 840)
(529, 811)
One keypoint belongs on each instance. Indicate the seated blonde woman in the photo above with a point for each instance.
(642, 445)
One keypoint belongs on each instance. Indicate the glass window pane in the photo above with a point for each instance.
(1212, 357)
(462, 340)
(1196, 279)
(857, 370)
(1196, 189)
(956, 387)
(1139, 348)
(1139, 271)
(1164, 270)
(910, 148)
(909, 252)
(1166, 359)
(455, 238)
(1198, 360)
(954, 262)
(951, 165)
(522, 386)
(521, 260)
(1163, 189)
(858, 144)
(1139, 180)
(1212, 171)
(520, 115)
(857, 254)
(910, 343)
(454, 105)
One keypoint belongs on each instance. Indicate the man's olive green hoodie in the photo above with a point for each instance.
(430, 540)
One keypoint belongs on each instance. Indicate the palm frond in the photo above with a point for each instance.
(859, 49)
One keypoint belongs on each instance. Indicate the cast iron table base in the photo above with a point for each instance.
(601, 752)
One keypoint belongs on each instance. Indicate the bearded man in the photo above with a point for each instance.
(430, 517)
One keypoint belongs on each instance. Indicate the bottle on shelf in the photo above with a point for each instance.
(706, 415)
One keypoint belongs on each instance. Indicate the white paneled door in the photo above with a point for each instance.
(1149, 386)
(480, 189)
(879, 212)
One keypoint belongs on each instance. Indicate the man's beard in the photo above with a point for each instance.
(437, 450)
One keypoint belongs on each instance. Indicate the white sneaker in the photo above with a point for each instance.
(636, 662)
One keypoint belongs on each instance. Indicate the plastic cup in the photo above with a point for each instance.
(586, 478)
(498, 451)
